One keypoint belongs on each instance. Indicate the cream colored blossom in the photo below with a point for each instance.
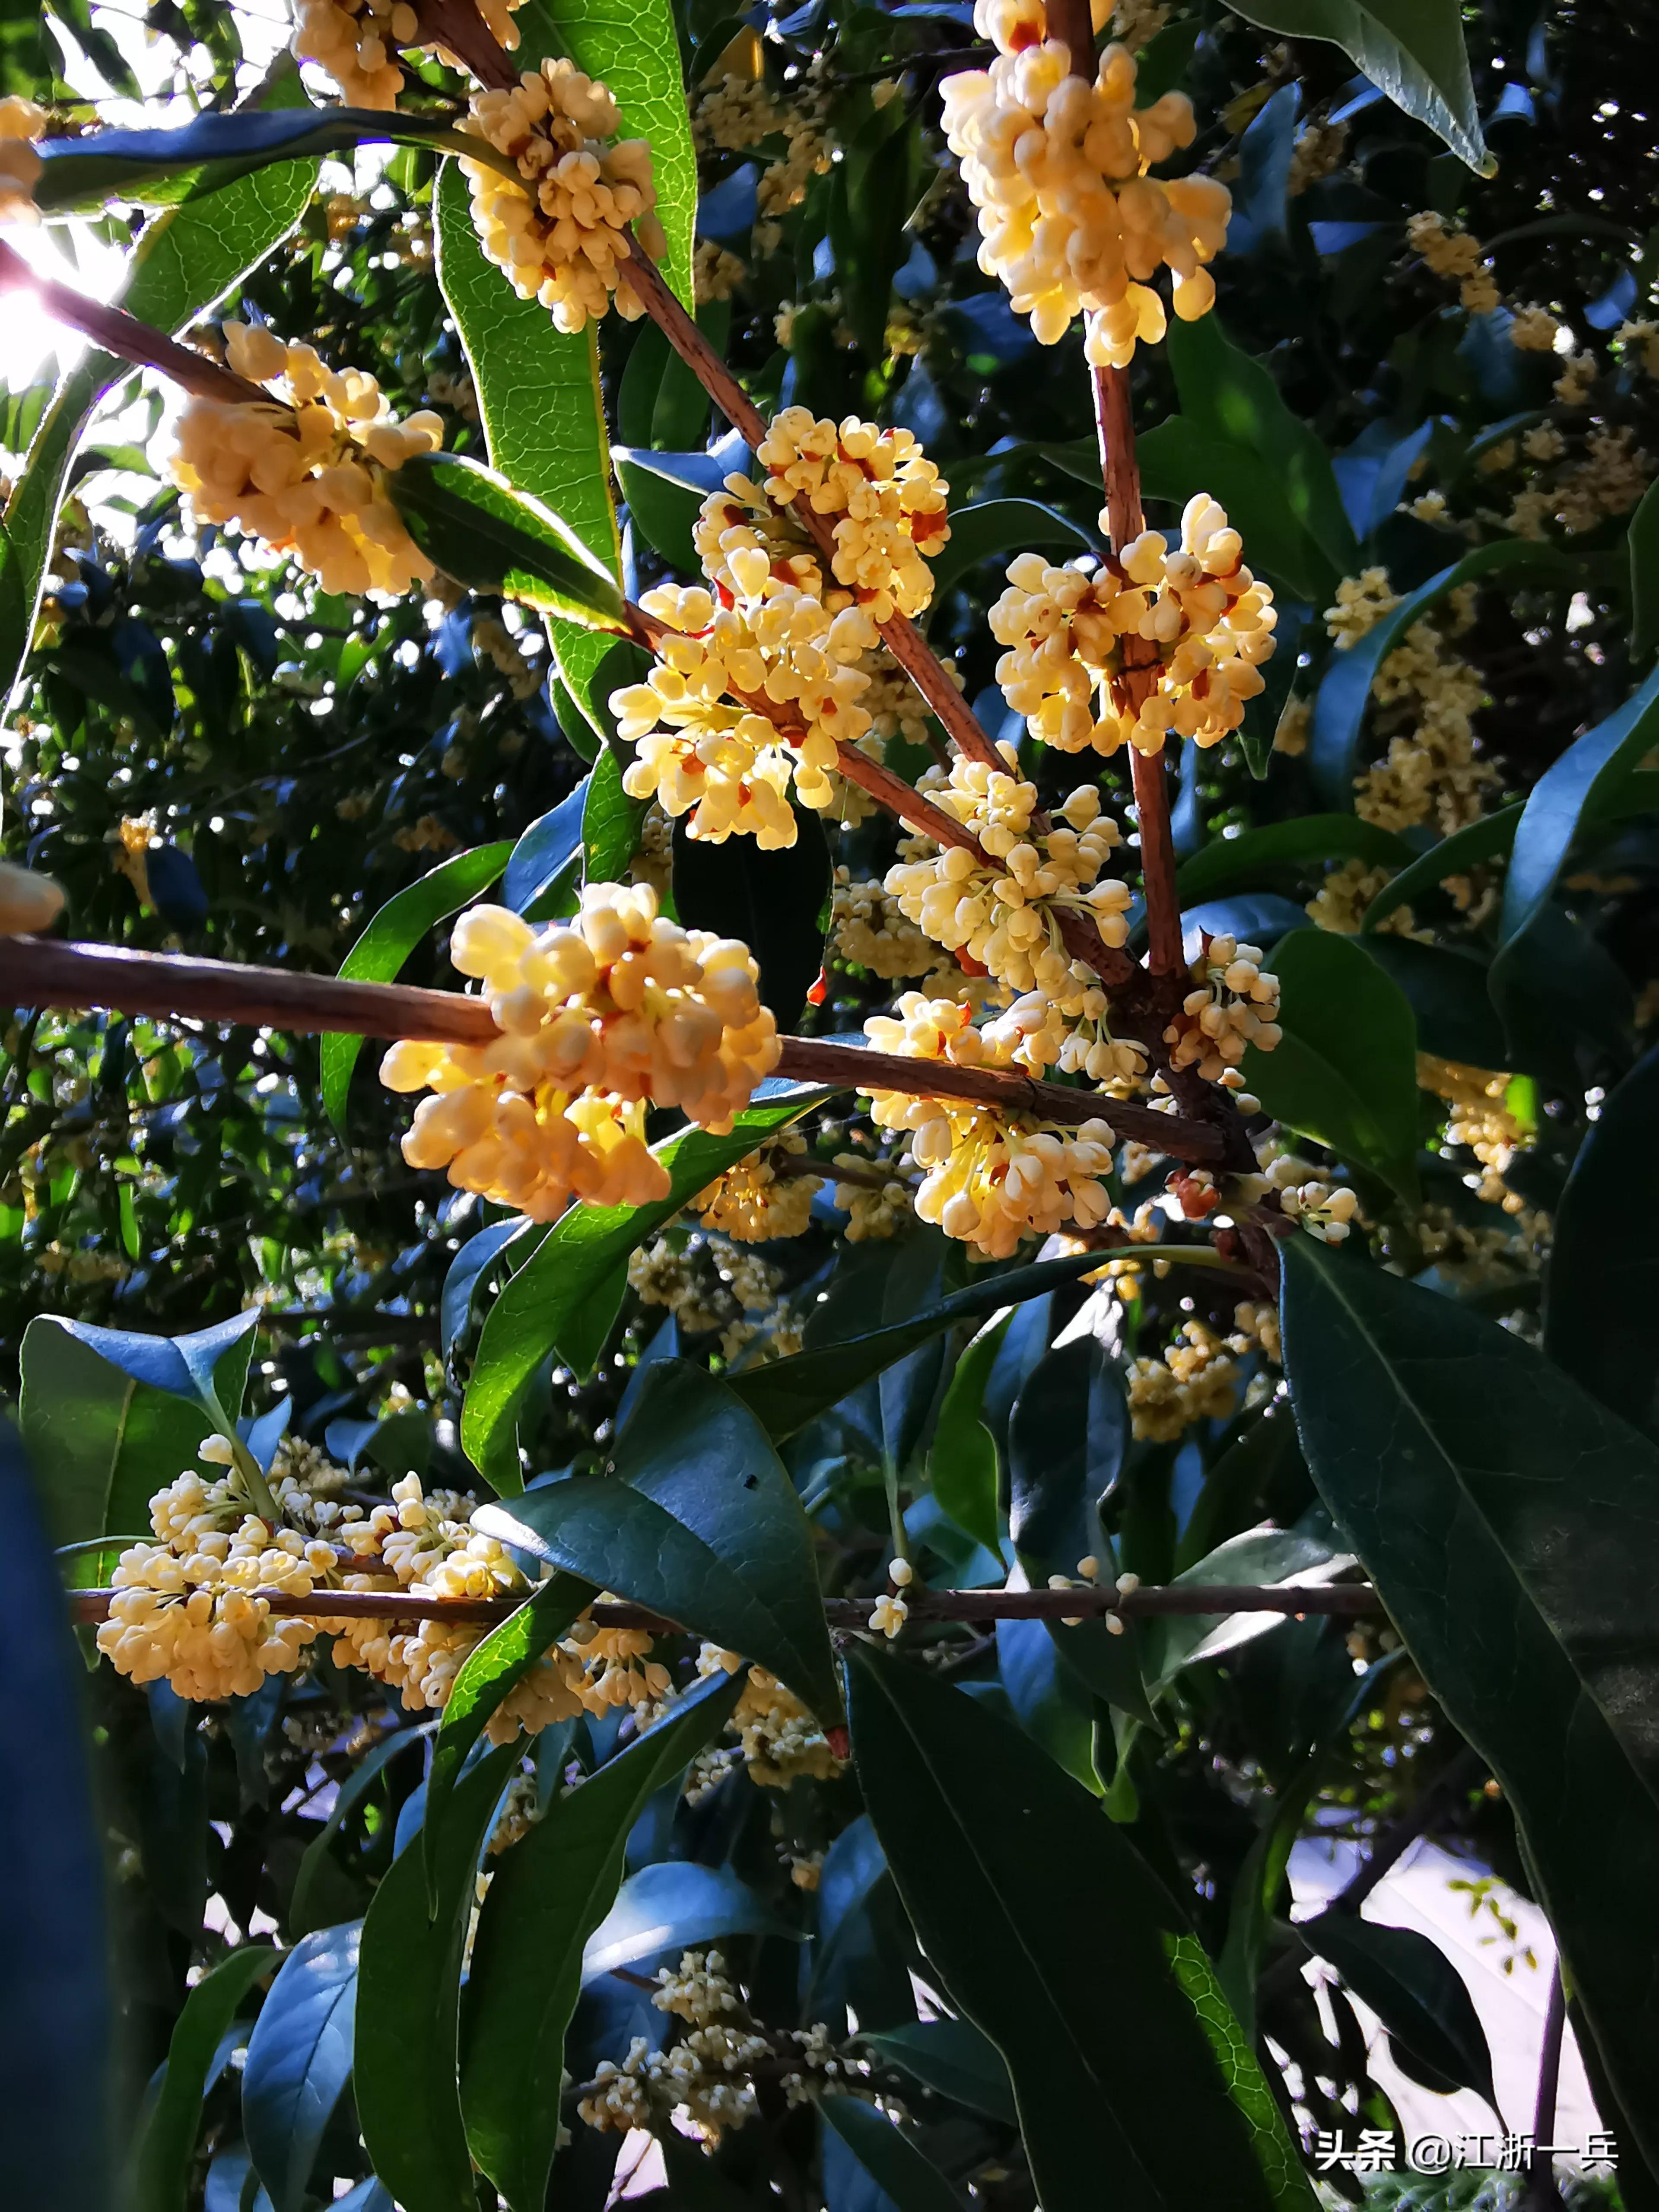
(756, 1200)
(1234, 1003)
(20, 123)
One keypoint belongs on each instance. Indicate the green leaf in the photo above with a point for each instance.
(187, 258)
(610, 823)
(993, 526)
(1412, 50)
(551, 1890)
(1414, 1989)
(1506, 1519)
(406, 2044)
(1449, 998)
(541, 1305)
(162, 2160)
(390, 939)
(1344, 1071)
(492, 539)
(108, 1419)
(700, 1521)
(953, 2057)
(1234, 864)
(299, 2059)
(1585, 774)
(592, 666)
(963, 1461)
(489, 1674)
(1236, 439)
(786, 1394)
(1258, 1556)
(307, 1909)
(1340, 704)
(632, 46)
(1643, 547)
(906, 2177)
(1602, 1286)
(1124, 2057)
(672, 1905)
(537, 387)
(549, 849)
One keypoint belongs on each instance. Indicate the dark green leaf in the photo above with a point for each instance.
(493, 538)
(584, 1249)
(671, 1905)
(1340, 702)
(307, 1909)
(1482, 840)
(1413, 1989)
(963, 1462)
(953, 2057)
(1155, 2085)
(551, 1890)
(162, 2160)
(905, 2174)
(995, 527)
(1344, 1071)
(662, 512)
(299, 2060)
(1644, 576)
(406, 2046)
(390, 939)
(1500, 1510)
(610, 824)
(699, 1522)
(1412, 50)
(1258, 1556)
(1449, 998)
(769, 900)
(1602, 1287)
(786, 1394)
(550, 848)
(1235, 864)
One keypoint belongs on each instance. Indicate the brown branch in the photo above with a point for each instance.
(125, 337)
(1344, 1600)
(37, 971)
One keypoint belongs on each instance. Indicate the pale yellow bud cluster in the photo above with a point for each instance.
(756, 1198)
(20, 123)
(1449, 250)
(1640, 340)
(869, 928)
(1480, 1118)
(1432, 770)
(1256, 1327)
(1361, 603)
(1070, 221)
(189, 1608)
(1001, 911)
(1318, 150)
(1326, 1210)
(887, 498)
(873, 1212)
(307, 475)
(703, 749)
(990, 1179)
(598, 1017)
(1202, 622)
(1533, 330)
(1193, 1381)
(355, 41)
(780, 1739)
(560, 233)
(707, 1286)
(1341, 903)
(1232, 1004)
(715, 273)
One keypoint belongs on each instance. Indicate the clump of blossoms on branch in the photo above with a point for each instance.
(560, 234)
(306, 472)
(20, 123)
(992, 1178)
(598, 1017)
(1069, 219)
(1195, 622)
(1232, 1004)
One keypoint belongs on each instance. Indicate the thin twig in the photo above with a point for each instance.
(1541, 2193)
(1345, 1599)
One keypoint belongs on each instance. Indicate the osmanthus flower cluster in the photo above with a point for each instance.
(357, 41)
(1233, 1003)
(307, 471)
(560, 233)
(703, 749)
(1200, 623)
(1070, 221)
(598, 1017)
(20, 123)
(764, 1196)
(991, 1178)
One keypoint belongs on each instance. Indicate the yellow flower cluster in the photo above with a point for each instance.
(1451, 252)
(1003, 915)
(736, 114)
(705, 1287)
(887, 498)
(306, 473)
(1361, 603)
(1341, 900)
(1057, 166)
(560, 233)
(703, 749)
(990, 1179)
(779, 1738)
(873, 1212)
(1480, 1118)
(1203, 623)
(1432, 770)
(756, 1200)
(599, 1016)
(186, 1608)
(1232, 1004)
(1195, 1380)
(355, 41)
(20, 123)
(869, 928)
(715, 273)
(1324, 1209)
(1533, 330)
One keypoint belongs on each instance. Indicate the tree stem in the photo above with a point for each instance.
(1542, 2194)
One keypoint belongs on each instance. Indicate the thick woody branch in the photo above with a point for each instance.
(1344, 1600)
(126, 337)
(39, 971)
